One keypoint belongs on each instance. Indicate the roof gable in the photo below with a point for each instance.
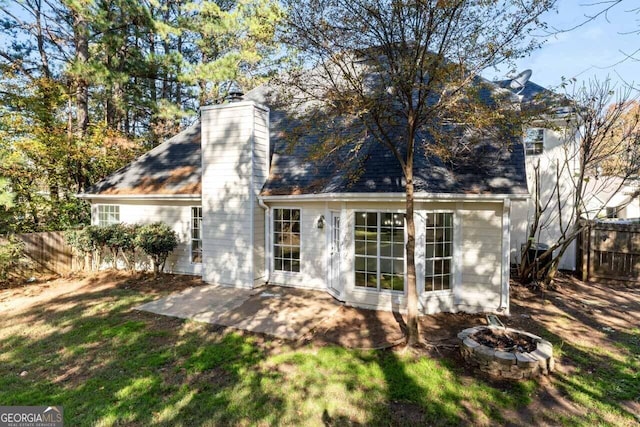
(173, 167)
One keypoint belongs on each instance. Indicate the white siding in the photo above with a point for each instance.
(260, 174)
(632, 210)
(175, 214)
(231, 180)
(481, 263)
(555, 153)
(520, 223)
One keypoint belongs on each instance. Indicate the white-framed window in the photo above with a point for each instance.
(534, 140)
(286, 240)
(438, 251)
(612, 212)
(196, 234)
(379, 251)
(108, 214)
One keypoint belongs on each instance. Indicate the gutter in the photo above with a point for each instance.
(179, 197)
(506, 258)
(267, 246)
(394, 197)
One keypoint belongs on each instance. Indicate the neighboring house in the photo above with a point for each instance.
(250, 211)
(612, 197)
(549, 146)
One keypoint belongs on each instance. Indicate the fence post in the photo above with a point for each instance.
(590, 261)
(585, 248)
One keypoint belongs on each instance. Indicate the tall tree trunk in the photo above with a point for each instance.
(44, 59)
(82, 56)
(115, 113)
(110, 110)
(413, 330)
(70, 115)
(54, 188)
(154, 73)
(178, 92)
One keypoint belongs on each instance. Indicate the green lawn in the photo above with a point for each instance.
(109, 365)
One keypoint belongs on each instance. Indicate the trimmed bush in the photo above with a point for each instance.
(122, 238)
(157, 240)
(100, 238)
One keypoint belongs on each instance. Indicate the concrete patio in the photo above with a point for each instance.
(278, 311)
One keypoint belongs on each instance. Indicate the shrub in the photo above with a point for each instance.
(122, 238)
(11, 256)
(157, 240)
(80, 240)
(99, 236)
(91, 239)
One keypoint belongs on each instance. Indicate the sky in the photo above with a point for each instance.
(595, 49)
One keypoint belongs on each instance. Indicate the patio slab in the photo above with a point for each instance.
(287, 313)
(202, 303)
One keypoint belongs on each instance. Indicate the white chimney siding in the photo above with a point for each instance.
(235, 147)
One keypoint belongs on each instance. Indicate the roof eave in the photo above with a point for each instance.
(111, 197)
(393, 197)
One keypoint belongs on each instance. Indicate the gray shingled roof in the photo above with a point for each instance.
(488, 168)
(174, 167)
(531, 91)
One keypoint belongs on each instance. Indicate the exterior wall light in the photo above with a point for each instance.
(320, 222)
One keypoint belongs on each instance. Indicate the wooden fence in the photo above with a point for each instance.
(610, 252)
(48, 252)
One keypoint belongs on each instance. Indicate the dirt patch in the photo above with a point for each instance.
(148, 283)
(28, 294)
(586, 312)
(403, 413)
(359, 328)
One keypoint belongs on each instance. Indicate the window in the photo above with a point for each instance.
(108, 214)
(439, 251)
(379, 260)
(196, 234)
(286, 240)
(612, 212)
(534, 140)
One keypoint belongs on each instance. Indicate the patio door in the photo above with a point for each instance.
(334, 273)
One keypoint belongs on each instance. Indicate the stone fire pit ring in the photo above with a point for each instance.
(506, 364)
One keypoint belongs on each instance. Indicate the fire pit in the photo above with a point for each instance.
(506, 353)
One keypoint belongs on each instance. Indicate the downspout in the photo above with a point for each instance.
(506, 258)
(267, 235)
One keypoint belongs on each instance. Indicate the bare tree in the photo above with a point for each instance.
(600, 154)
(401, 69)
(601, 9)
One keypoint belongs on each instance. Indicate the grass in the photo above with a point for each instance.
(602, 379)
(109, 365)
